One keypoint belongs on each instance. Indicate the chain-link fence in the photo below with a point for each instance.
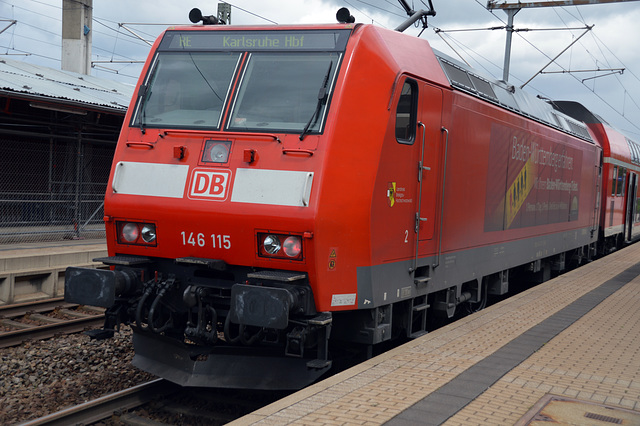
(52, 190)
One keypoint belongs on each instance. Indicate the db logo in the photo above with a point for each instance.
(209, 185)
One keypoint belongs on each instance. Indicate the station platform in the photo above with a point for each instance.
(566, 351)
(35, 271)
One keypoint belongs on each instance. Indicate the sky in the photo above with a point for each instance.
(612, 44)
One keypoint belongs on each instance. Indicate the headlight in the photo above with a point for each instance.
(271, 244)
(216, 152)
(148, 233)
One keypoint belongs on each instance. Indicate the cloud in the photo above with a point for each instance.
(614, 42)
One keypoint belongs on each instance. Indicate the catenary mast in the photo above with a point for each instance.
(512, 8)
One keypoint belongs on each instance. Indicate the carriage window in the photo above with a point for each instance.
(614, 180)
(406, 113)
(622, 174)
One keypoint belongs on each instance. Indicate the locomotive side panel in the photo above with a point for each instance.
(515, 192)
(352, 231)
(350, 145)
(522, 178)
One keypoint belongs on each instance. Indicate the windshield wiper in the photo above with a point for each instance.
(322, 99)
(142, 95)
(205, 78)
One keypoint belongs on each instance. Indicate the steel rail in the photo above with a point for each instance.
(21, 309)
(16, 337)
(104, 407)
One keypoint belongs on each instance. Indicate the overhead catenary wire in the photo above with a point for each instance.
(360, 11)
(252, 13)
(52, 38)
(626, 93)
(51, 34)
(592, 90)
(382, 9)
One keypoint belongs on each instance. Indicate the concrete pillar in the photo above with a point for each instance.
(77, 18)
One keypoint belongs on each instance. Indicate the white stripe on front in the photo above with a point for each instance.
(274, 187)
(150, 179)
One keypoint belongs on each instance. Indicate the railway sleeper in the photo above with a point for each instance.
(15, 324)
(75, 314)
(45, 319)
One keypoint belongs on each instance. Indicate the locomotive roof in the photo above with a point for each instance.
(508, 96)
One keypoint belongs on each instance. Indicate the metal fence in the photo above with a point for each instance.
(52, 190)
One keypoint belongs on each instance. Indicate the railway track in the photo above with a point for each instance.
(104, 407)
(161, 402)
(45, 319)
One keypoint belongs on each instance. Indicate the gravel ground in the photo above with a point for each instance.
(45, 376)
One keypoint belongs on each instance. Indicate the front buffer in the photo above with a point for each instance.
(253, 329)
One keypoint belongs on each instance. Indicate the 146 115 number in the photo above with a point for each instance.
(200, 240)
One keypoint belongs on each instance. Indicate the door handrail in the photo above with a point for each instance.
(413, 268)
(444, 179)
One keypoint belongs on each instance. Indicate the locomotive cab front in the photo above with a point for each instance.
(210, 214)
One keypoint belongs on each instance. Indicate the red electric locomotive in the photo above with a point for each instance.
(278, 189)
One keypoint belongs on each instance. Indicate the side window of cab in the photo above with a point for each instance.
(406, 113)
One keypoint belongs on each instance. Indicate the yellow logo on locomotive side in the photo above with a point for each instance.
(519, 190)
(391, 193)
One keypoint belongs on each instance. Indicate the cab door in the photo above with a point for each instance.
(430, 137)
(407, 182)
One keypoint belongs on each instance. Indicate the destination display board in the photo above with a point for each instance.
(308, 40)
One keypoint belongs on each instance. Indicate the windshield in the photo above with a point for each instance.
(282, 91)
(241, 80)
(187, 89)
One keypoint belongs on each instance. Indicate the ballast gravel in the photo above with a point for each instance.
(41, 377)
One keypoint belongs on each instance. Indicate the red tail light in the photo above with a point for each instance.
(138, 233)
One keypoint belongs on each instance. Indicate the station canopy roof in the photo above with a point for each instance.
(45, 84)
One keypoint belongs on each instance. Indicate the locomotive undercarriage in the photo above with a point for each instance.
(194, 319)
(426, 311)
